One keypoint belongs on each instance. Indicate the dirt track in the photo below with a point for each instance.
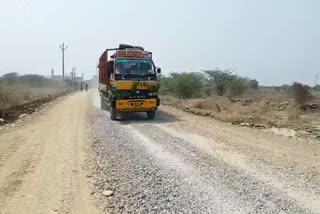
(41, 162)
(181, 163)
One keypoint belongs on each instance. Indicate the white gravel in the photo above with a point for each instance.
(151, 171)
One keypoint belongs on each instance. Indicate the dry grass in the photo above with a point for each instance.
(12, 96)
(265, 106)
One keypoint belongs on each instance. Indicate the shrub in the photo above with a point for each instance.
(187, 85)
(3, 95)
(301, 93)
(34, 80)
(10, 78)
(184, 85)
(253, 84)
(238, 85)
(225, 81)
(208, 90)
(219, 79)
(165, 86)
(285, 87)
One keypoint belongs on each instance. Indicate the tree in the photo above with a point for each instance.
(34, 80)
(10, 78)
(187, 85)
(238, 85)
(253, 84)
(184, 85)
(219, 79)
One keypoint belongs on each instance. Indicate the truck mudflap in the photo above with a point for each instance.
(136, 110)
(136, 105)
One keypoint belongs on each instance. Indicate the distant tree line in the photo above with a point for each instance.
(207, 82)
(30, 80)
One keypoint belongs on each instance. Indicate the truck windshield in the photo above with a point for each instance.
(129, 69)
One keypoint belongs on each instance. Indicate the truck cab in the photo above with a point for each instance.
(128, 81)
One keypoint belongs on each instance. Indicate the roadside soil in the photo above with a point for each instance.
(42, 162)
(258, 109)
(13, 113)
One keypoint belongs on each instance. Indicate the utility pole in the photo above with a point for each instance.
(73, 73)
(63, 48)
(97, 69)
(52, 73)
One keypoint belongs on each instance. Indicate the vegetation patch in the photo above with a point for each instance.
(228, 97)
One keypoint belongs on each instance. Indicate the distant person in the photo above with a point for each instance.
(86, 86)
(81, 86)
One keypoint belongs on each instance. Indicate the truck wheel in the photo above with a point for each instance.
(151, 114)
(113, 114)
(102, 102)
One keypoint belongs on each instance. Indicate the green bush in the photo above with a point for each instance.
(34, 80)
(238, 85)
(225, 81)
(183, 85)
(10, 78)
(4, 94)
(30, 80)
(253, 84)
(165, 85)
(187, 85)
(285, 87)
(208, 90)
(219, 79)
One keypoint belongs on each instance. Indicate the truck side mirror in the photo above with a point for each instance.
(158, 70)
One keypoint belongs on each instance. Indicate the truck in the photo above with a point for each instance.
(128, 81)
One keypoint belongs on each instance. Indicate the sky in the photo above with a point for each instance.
(273, 41)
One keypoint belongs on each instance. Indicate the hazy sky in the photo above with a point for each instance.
(274, 41)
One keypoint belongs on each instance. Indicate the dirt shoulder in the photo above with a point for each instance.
(42, 162)
(11, 113)
(278, 113)
(304, 152)
(289, 164)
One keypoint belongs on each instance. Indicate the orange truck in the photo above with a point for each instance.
(128, 81)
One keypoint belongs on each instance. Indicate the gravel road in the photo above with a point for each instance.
(71, 158)
(190, 164)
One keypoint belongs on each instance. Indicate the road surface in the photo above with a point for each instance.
(42, 162)
(64, 159)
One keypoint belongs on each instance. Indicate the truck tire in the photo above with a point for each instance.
(151, 114)
(113, 114)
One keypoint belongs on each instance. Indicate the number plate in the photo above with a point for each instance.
(136, 104)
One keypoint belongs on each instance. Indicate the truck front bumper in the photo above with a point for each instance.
(136, 105)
